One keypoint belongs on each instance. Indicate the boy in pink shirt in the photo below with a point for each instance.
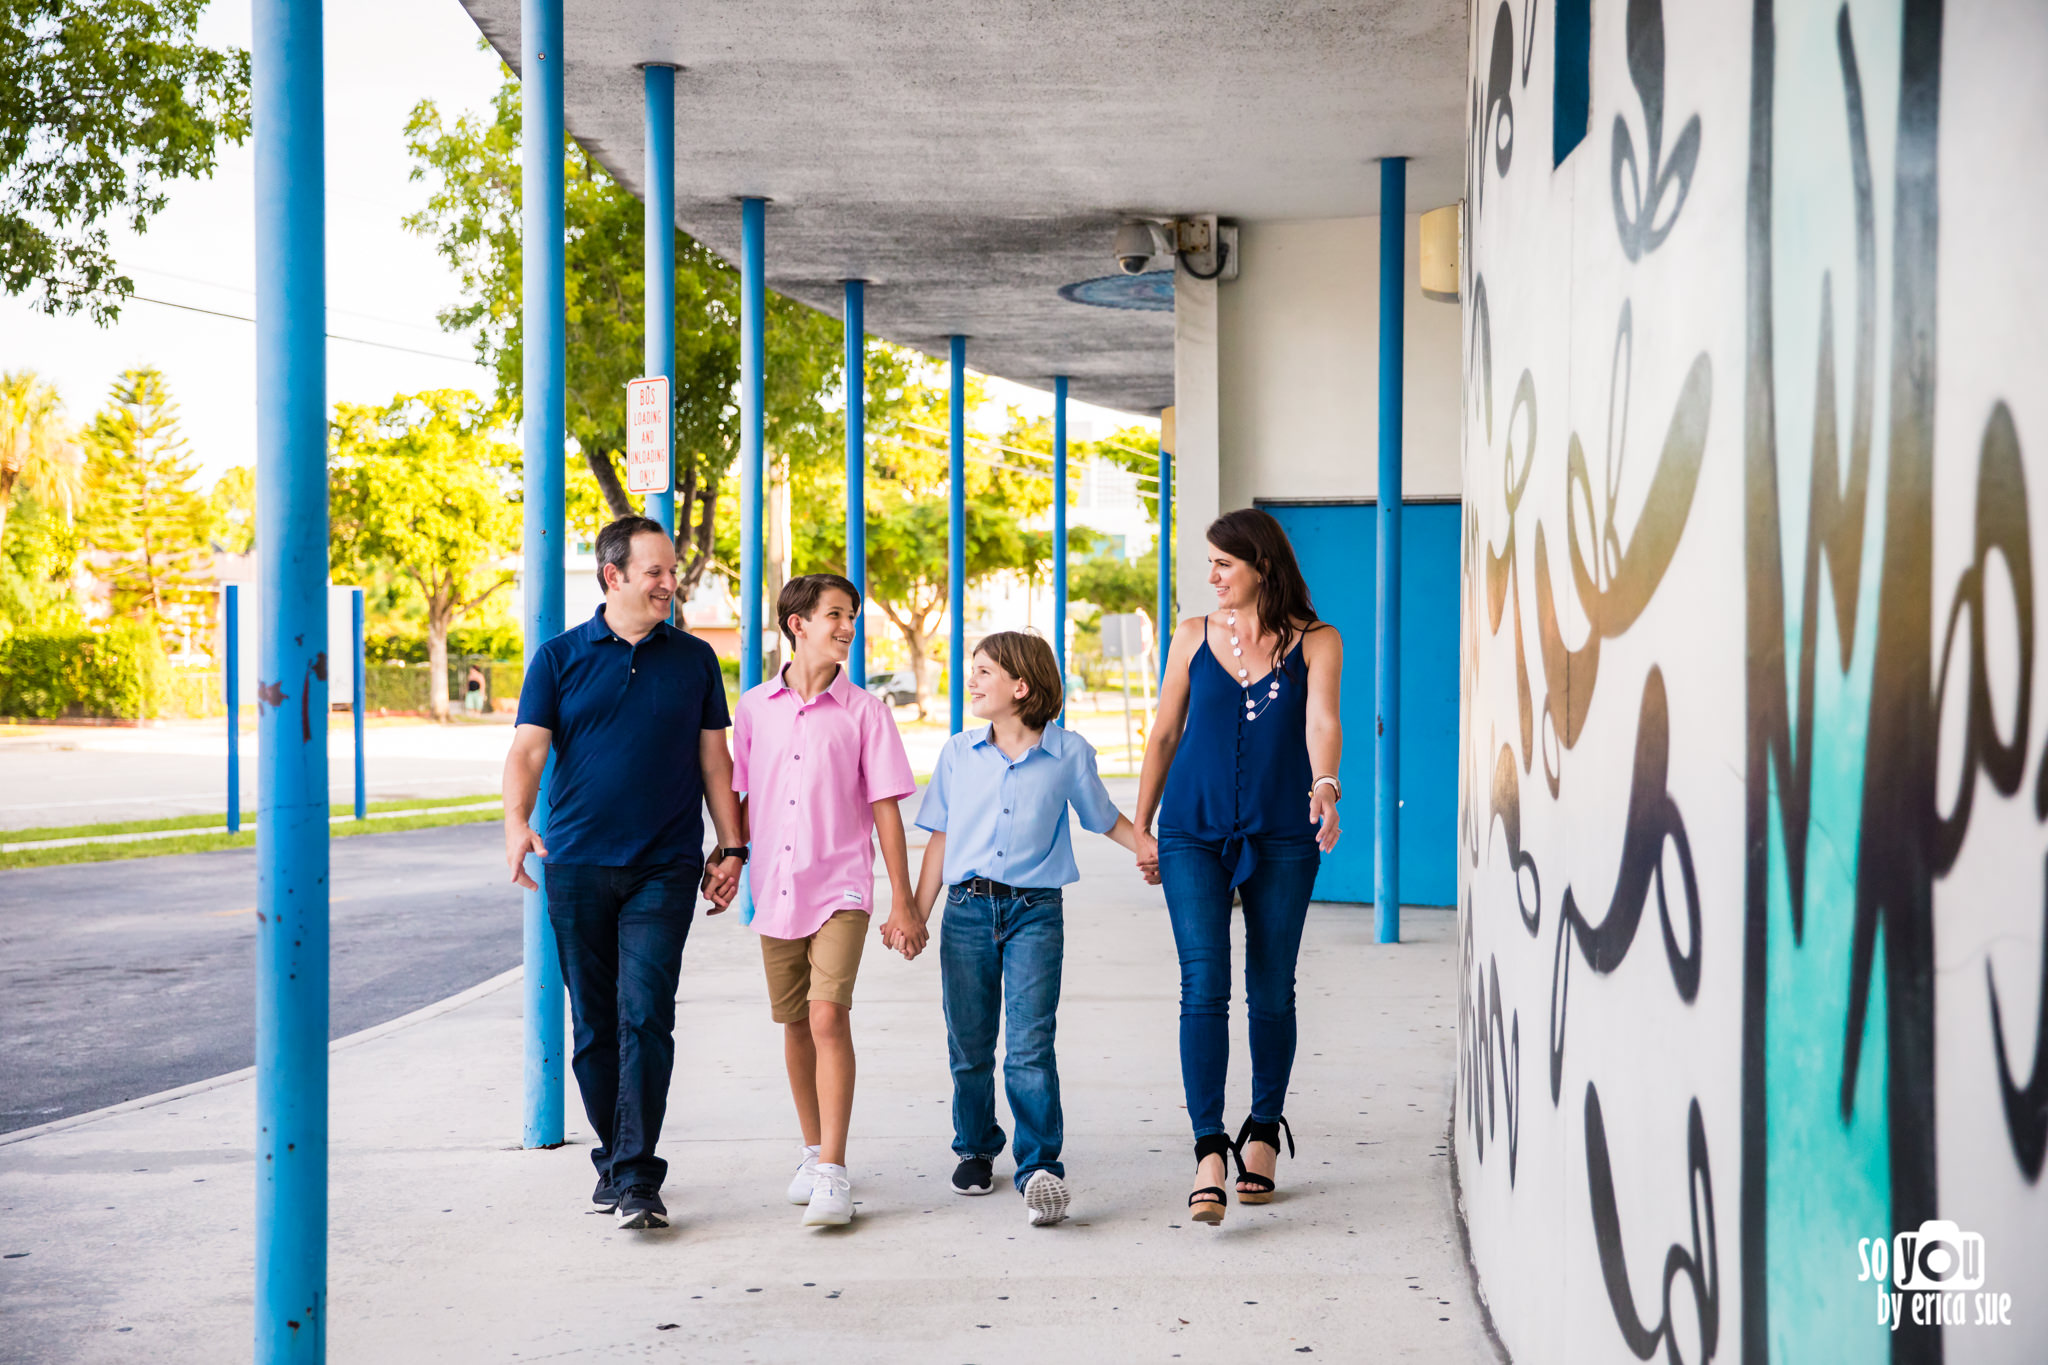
(822, 768)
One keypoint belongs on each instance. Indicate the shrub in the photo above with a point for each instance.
(118, 672)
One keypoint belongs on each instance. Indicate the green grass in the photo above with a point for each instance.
(206, 843)
(24, 836)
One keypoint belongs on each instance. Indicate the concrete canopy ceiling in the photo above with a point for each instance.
(968, 159)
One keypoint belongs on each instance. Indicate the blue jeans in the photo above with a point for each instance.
(619, 932)
(1197, 885)
(999, 958)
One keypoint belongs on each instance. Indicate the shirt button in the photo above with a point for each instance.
(1006, 810)
(792, 801)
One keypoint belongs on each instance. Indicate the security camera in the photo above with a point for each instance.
(1137, 242)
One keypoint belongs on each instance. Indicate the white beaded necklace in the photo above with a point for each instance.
(1254, 707)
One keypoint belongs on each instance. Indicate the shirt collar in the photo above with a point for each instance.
(1048, 740)
(839, 689)
(597, 629)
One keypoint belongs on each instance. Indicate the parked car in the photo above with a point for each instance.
(898, 688)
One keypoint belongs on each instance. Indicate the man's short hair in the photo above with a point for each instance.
(801, 595)
(1029, 659)
(615, 545)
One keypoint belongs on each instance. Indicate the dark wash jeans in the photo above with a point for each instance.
(1197, 884)
(620, 934)
(999, 959)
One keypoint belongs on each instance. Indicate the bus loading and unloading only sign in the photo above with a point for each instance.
(647, 435)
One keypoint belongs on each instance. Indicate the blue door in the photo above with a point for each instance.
(1338, 547)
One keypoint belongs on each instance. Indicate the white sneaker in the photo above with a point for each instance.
(805, 1177)
(1045, 1195)
(831, 1198)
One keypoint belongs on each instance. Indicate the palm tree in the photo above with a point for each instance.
(39, 453)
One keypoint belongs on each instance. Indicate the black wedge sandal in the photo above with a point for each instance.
(1261, 1191)
(1207, 1205)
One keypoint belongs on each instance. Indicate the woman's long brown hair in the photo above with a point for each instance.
(1255, 537)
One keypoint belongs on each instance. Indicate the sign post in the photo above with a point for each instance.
(649, 462)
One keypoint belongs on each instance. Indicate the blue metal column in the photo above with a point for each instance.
(753, 371)
(1059, 530)
(291, 683)
(546, 427)
(956, 540)
(856, 469)
(1162, 625)
(356, 692)
(1387, 789)
(659, 266)
(232, 610)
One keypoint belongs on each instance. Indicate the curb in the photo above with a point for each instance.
(371, 1034)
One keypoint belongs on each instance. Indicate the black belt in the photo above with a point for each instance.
(988, 886)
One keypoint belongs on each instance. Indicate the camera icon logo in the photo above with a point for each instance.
(1938, 1256)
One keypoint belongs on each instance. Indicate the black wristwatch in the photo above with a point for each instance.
(740, 853)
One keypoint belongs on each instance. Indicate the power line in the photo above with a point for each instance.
(1032, 454)
(331, 336)
(332, 310)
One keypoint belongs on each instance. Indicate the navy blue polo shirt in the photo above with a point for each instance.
(628, 783)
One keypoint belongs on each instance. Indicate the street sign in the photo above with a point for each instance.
(647, 435)
(1126, 635)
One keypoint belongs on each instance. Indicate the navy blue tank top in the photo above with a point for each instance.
(1242, 770)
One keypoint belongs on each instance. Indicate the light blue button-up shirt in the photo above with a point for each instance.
(1006, 819)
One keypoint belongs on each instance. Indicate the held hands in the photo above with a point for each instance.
(1148, 857)
(905, 930)
(722, 882)
(520, 840)
(1322, 809)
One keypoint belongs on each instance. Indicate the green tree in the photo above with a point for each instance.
(1115, 584)
(142, 513)
(231, 508)
(101, 103)
(906, 500)
(472, 214)
(423, 490)
(39, 454)
(37, 561)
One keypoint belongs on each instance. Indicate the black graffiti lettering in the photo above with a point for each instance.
(1477, 1068)
(1640, 196)
(1506, 808)
(2002, 530)
(1698, 1264)
(1653, 819)
(2026, 1107)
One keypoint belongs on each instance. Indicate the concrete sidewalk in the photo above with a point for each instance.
(450, 1244)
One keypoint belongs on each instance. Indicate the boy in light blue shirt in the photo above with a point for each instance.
(997, 812)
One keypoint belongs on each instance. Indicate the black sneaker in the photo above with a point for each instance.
(605, 1197)
(974, 1175)
(641, 1207)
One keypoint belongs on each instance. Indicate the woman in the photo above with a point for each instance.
(1245, 752)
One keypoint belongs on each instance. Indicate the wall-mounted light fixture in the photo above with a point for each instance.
(1442, 231)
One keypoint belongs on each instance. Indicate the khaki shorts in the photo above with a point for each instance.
(821, 967)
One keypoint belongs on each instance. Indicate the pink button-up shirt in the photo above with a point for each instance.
(812, 771)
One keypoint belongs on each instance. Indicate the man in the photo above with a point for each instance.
(634, 711)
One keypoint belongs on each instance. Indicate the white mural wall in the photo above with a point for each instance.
(1754, 800)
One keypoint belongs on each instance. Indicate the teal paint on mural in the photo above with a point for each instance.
(1828, 1177)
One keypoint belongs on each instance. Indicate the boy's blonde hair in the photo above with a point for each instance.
(1029, 659)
